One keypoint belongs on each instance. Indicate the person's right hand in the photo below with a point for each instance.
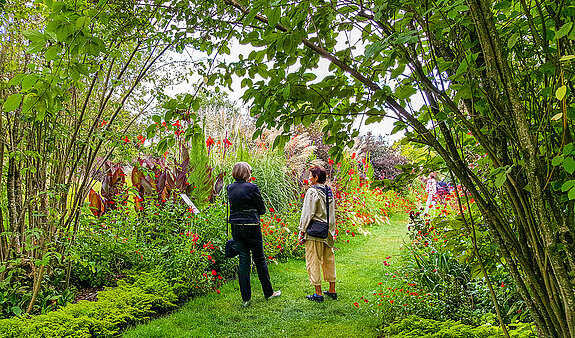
(301, 238)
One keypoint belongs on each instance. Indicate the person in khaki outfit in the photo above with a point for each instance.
(318, 251)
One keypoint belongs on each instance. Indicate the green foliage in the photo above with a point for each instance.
(129, 303)
(417, 327)
(433, 280)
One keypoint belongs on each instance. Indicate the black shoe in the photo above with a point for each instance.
(332, 295)
(315, 297)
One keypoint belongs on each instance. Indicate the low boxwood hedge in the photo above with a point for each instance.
(134, 300)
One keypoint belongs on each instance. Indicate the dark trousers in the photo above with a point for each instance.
(248, 239)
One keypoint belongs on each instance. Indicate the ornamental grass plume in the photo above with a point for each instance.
(299, 150)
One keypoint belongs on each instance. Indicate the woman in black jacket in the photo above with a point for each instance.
(246, 206)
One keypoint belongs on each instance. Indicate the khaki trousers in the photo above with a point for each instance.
(319, 256)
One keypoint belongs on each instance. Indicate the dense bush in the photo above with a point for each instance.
(417, 327)
(434, 277)
(133, 300)
(383, 157)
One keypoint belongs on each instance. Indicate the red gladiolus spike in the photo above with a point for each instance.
(210, 142)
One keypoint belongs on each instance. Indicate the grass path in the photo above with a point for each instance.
(359, 269)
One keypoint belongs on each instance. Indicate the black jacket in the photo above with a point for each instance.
(246, 203)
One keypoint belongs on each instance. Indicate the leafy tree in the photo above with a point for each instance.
(68, 73)
(383, 157)
(496, 78)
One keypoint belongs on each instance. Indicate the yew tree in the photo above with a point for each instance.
(496, 79)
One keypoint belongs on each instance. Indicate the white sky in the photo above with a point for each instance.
(382, 128)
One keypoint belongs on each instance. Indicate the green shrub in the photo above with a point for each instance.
(134, 300)
(417, 327)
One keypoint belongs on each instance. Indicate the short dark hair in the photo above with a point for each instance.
(319, 172)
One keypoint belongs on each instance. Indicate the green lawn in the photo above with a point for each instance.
(359, 268)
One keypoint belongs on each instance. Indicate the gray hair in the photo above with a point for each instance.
(242, 171)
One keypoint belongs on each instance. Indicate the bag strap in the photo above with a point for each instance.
(326, 201)
(227, 212)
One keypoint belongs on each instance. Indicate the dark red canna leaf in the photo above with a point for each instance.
(146, 185)
(161, 182)
(136, 178)
(118, 177)
(170, 182)
(96, 204)
(181, 181)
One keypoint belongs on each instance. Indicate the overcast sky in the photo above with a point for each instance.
(382, 128)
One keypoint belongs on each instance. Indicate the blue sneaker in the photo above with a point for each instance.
(315, 297)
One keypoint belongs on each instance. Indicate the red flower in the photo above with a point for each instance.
(252, 178)
(330, 161)
(103, 123)
(356, 304)
(209, 257)
(126, 139)
(218, 291)
(272, 210)
(176, 124)
(210, 142)
(227, 143)
(214, 272)
(352, 156)
(305, 182)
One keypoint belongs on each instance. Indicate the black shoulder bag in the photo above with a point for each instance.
(317, 228)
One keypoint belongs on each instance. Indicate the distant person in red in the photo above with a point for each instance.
(431, 189)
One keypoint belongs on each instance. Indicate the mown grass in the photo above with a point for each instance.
(359, 266)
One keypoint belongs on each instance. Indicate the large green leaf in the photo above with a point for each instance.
(569, 165)
(274, 15)
(13, 102)
(560, 93)
(564, 30)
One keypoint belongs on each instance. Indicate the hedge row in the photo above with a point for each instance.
(417, 327)
(133, 300)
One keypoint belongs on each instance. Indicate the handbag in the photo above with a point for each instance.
(231, 251)
(320, 229)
